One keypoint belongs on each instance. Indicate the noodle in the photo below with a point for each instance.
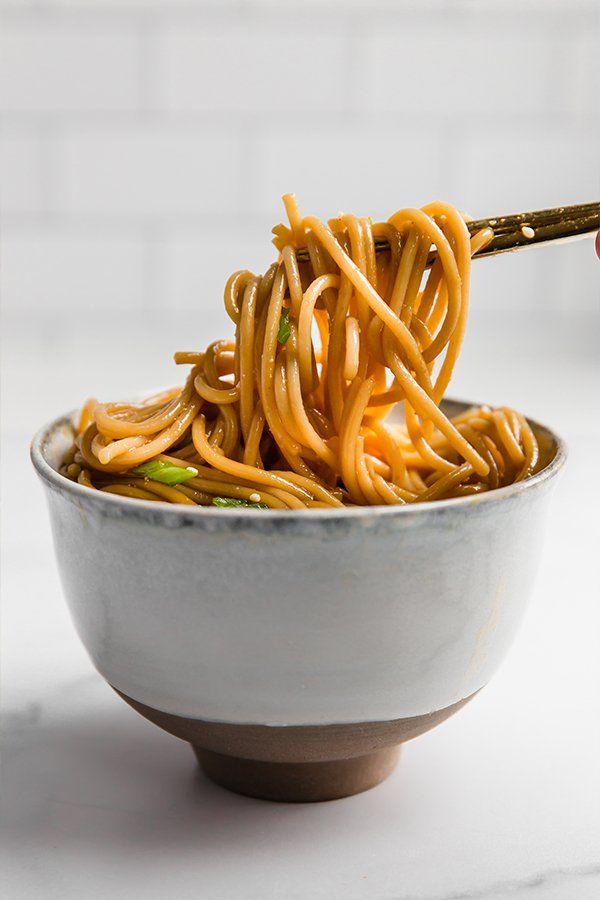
(295, 412)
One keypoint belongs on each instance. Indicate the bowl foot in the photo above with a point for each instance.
(296, 763)
(298, 782)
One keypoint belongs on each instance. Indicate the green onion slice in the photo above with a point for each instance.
(284, 326)
(230, 502)
(165, 472)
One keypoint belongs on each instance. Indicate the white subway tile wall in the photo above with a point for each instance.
(146, 172)
(62, 66)
(59, 269)
(21, 173)
(264, 70)
(144, 145)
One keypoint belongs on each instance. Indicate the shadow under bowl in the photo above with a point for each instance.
(296, 651)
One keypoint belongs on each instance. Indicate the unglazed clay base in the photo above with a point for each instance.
(307, 782)
(296, 763)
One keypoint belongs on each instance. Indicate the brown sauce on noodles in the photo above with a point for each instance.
(294, 411)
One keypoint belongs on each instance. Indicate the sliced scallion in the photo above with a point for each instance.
(284, 326)
(165, 472)
(231, 502)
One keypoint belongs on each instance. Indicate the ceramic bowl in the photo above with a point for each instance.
(296, 651)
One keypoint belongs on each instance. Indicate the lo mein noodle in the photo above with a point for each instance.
(294, 412)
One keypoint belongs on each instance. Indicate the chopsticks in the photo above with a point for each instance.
(527, 229)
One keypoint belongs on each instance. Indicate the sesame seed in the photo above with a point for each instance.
(255, 498)
(527, 231)
(191, 469)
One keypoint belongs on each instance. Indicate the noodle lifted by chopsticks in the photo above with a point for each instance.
(294, 412)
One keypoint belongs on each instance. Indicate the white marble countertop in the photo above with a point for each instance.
(501, 801)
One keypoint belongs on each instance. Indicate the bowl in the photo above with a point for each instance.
(296, 651)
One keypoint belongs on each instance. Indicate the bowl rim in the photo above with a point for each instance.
(148, 509)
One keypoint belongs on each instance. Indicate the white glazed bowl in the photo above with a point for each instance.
(298, 626)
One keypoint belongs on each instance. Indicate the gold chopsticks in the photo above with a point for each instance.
(527, 229)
